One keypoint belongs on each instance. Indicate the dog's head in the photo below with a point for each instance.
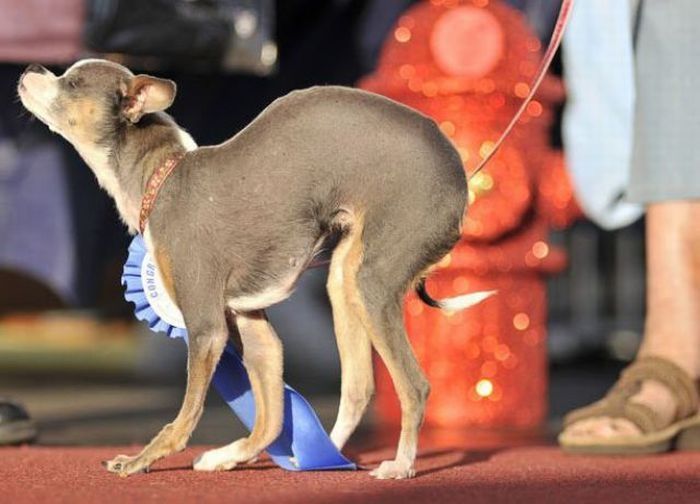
(92, 98)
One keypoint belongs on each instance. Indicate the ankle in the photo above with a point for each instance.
(684, 354)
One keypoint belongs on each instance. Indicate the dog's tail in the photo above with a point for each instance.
(452, 304)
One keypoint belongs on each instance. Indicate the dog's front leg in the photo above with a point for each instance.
(206, 343)
(262, 357)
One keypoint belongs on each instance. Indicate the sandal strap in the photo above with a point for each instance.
(643, 417)
(676, 380)
(616, 403)
(646, 419)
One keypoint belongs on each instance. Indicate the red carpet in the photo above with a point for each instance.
(522, 475)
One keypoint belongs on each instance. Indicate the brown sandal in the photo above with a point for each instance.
(683, 433)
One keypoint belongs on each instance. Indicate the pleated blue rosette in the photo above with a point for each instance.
(303, 444)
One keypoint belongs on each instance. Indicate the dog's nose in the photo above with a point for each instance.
(34, 68)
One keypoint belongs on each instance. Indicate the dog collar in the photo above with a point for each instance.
(155, 182)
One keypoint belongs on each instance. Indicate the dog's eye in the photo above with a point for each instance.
(74, 83)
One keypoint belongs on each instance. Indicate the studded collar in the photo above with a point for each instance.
(153, 186)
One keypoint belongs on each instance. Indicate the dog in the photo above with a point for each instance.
(234, 225)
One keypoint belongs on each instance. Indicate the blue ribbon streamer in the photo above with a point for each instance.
(303, 444)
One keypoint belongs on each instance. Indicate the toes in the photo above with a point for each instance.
(577, 429)
(394, 469)
(602, 427)
(625, 427)
(594, 426)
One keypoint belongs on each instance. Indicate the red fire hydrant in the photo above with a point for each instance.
(468, 65)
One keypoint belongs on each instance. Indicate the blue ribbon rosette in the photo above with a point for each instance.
(303, 444)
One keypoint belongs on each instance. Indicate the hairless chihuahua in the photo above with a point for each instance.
(235, 225)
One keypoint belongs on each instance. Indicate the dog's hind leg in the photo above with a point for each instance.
(391, 342)
(208, 334)
(385, 266)
(354, 346)
(262, 358)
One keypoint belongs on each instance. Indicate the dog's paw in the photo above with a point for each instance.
(219, 459)
(124, 465)
(226, 458)
(394, 469)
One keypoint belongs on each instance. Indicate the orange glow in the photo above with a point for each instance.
(489, 368)
(415, 84)
(534, 108)
(540, 250)
(502, 352)
(447, 127)
(521, 321)
(402, 34)
(486, 86)
(484, 387)
(407, 71)
(521, 89)
(482, 181)
(430, 89)
(486, 148)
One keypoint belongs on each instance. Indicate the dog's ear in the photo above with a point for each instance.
(144, 94)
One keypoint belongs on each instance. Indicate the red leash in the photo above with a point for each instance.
(554, 42)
